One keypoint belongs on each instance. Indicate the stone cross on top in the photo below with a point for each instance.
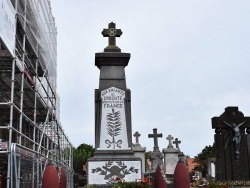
(170, 138)
(177, 142)
(155, 136)
(112, 33)
(137, 135)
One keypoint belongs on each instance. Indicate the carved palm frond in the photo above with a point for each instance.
(113, 123)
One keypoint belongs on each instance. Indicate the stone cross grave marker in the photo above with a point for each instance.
(170, 160)
(156, 155)
(137, 135)
(112, 33)
(177, 142)
(155, 135)
(170, 138)
(232, 143)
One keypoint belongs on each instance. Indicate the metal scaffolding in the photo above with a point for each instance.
(31, 134)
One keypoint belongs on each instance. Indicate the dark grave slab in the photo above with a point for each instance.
(232, 143)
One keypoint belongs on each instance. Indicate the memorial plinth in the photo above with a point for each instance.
(114, 157)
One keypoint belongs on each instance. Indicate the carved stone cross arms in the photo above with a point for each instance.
(170, 138)
(177, 142)
(137, 135)
(155, 136)
(112, 33)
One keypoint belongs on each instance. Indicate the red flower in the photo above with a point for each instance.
(146, 180)
(117, 179)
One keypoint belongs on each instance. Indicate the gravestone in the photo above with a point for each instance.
(156, 155)
(232, 143)
(181, 155)
(177, 142)
(170, 160)
(137, 135)
(139, 151)
(113, 155)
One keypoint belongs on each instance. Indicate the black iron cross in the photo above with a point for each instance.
(155, 136)
(112, 33)
(176, 142)
(170, 138)
(137, 135)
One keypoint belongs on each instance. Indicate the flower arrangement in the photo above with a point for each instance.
(141, 183)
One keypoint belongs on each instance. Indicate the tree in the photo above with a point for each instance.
(147, 156)
(201, 159)
(80, 156)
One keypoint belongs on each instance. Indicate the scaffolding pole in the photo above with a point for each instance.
(29, 91)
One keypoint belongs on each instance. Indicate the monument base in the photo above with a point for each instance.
(103, 171)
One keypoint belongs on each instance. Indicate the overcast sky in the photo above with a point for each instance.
(190, 59)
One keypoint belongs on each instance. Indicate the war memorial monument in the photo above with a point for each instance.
(113, 156)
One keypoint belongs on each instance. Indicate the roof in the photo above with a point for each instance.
(191, 164)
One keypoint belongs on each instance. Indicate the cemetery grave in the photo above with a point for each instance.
(117, 160)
